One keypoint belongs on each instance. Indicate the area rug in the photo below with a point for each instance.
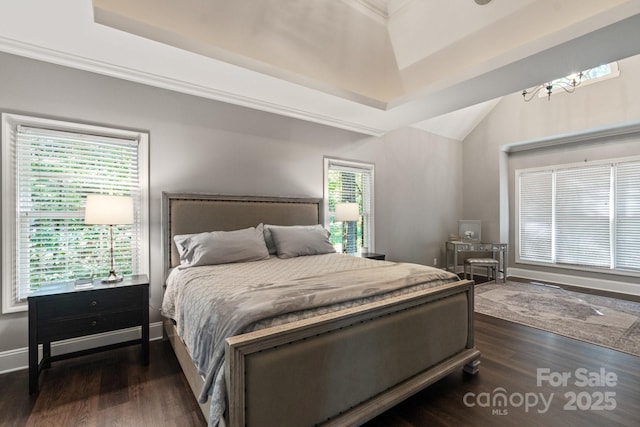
(604, 321)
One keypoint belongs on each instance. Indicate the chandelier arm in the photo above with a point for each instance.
(528, 96)
(568, 84)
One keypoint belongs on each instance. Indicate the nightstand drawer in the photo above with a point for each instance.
(70, 327)
(91, 302)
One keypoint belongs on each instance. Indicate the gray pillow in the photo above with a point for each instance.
(222, 247)
(298, 241)
(268, 237)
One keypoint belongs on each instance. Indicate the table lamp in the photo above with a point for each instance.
(346, 213)
(109, 210)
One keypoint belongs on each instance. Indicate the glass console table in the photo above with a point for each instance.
(498, 251)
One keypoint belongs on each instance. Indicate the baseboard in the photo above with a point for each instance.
(584, 282)
(14, 360)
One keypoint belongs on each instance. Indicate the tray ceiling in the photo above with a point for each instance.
(364, 65)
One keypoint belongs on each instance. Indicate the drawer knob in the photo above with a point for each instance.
(94, 323)
(94, 303)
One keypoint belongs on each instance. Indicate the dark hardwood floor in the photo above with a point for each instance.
(114, 389)
(511, 356)
(104, 389)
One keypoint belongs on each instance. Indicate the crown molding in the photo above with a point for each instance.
(375, 9)
(380, 10)
(39, 53)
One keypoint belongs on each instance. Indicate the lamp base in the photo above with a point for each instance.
(112, 278)
(344, 238)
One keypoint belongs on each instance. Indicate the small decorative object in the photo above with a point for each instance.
(470, 230)
(346, 213)
(109, 210)
(84, 283)
(90, 264)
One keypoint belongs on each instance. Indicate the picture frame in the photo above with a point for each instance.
(470, 230)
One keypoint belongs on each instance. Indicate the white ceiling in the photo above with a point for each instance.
(364, 65)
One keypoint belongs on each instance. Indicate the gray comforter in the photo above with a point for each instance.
(212, 303)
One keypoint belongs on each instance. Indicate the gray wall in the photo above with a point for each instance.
(202, 145)
(603, 104)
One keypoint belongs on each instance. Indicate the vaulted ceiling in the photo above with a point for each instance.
(364, 65)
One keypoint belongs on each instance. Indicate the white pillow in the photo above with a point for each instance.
(299, 241)
(222, 247)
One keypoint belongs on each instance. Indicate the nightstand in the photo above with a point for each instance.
(371, 255)
(60, 311)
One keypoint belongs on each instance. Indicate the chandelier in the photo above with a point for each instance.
(568, 84)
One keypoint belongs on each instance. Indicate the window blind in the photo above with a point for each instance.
(351, 182)
(536, 216)
(583, 210)
(55, 171)
(627, 249)
(585, 216)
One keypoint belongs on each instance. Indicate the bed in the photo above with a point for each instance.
(340, 361)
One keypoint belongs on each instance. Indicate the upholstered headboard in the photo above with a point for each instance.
(187, 213)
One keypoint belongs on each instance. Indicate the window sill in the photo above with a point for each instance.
(17, 307)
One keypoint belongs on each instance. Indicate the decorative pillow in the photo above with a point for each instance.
(291, 242)
(268, 237)
(222, 247)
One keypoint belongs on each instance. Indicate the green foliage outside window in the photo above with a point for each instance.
(346, 186)
(56, 175)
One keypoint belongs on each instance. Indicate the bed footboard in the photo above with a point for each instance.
(346, 367)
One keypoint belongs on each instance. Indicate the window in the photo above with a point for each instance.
(581, 216)
(49, 167)
(347, 181)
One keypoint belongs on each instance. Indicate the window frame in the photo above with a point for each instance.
(355, 165)
(10, 123)
(612, 220)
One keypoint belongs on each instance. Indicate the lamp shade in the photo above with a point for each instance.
(108, 210)
(347, 212)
